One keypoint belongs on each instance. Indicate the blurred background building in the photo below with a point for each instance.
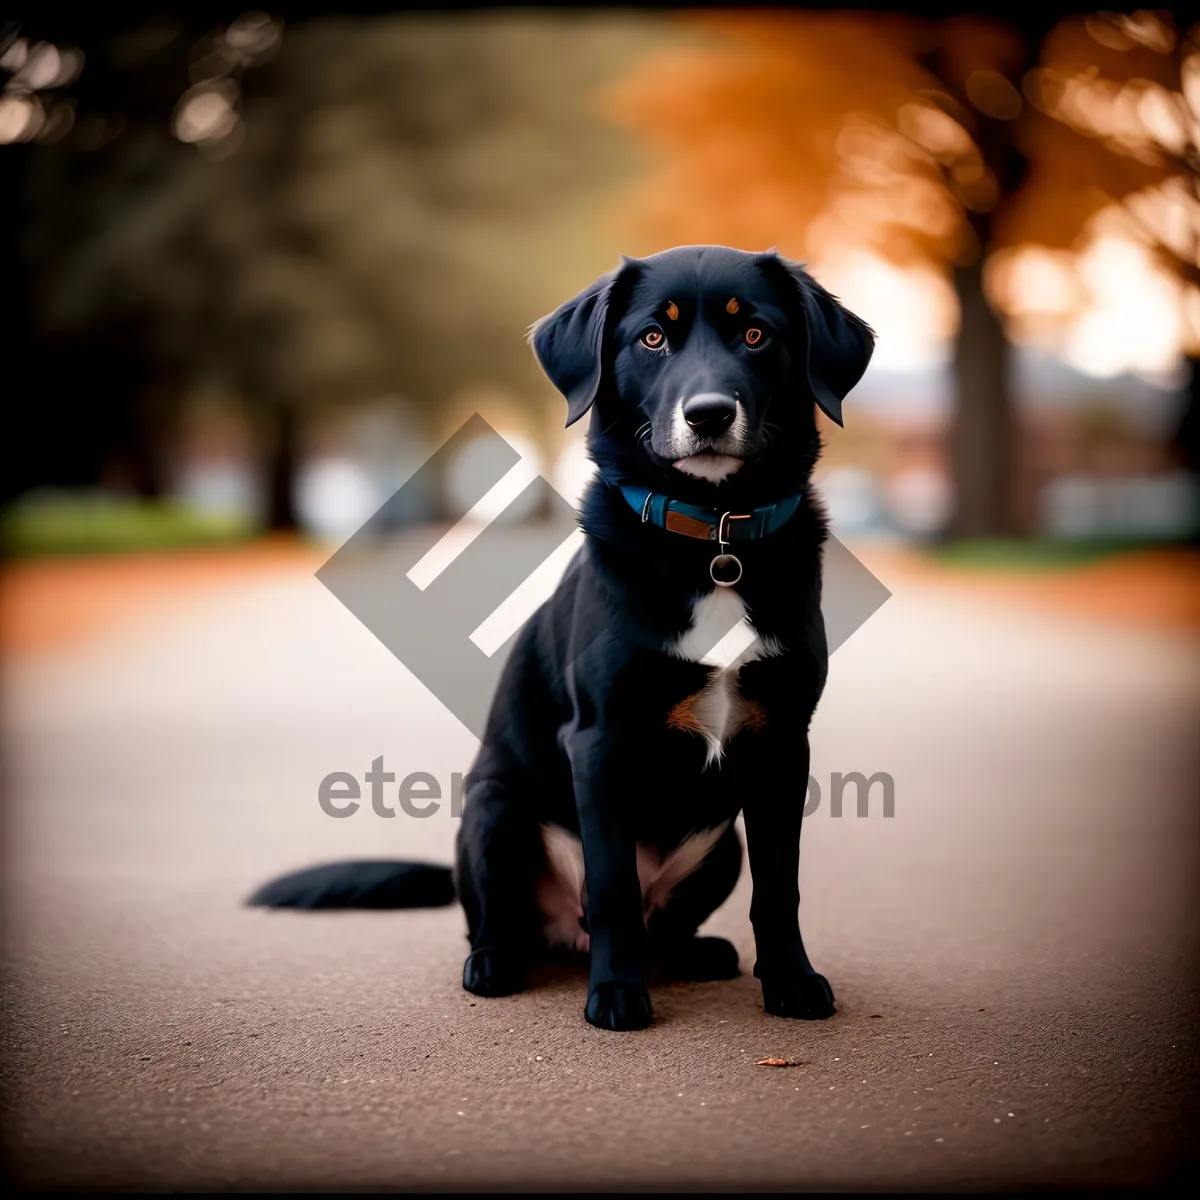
(265, 261)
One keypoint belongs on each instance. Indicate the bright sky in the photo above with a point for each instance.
(1114, 310)
(911, 310)
(1134, 321)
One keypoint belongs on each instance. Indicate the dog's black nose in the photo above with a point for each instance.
(710, 413)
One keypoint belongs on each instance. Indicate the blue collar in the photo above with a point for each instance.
(708, 524)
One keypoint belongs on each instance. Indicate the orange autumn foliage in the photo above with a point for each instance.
(763, 125)
(803, 130)
(1124, 129)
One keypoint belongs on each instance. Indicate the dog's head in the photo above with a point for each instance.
(701, 366)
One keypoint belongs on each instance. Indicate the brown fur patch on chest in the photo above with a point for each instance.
(694, 714)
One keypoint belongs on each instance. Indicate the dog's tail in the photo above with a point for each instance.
(362, 884)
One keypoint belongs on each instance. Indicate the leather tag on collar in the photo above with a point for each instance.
(678, 522)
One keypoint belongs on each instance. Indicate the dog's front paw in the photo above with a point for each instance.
(492, 972)
(804, 996)
(619, 1006)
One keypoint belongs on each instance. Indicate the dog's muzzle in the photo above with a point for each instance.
(708, 436)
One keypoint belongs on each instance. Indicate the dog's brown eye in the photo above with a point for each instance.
(653, 339)
(753, 337)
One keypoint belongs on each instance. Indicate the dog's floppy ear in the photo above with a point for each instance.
(569, 343)
(840, 344)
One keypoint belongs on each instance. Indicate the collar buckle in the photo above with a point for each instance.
(723, 524)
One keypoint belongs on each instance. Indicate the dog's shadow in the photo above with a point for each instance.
(557, 971)
(564, 973)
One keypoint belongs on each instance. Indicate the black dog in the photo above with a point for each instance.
(615, 753)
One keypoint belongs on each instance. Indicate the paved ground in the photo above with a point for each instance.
(1011, 950)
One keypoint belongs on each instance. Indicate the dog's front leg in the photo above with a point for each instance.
(617, 994)
(773, 804)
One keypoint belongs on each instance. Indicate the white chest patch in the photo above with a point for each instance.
(718, 711)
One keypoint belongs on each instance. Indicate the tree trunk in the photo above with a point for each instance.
(18, 466)
(149, 438)
(1187, 435)
(281, 514)
(1186, 440)
(982, 433)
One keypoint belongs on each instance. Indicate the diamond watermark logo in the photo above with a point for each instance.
(450, 605)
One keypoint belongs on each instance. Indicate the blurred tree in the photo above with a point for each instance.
(901, 132)
(93, 172)
(334, 212)
(1121, 154)
(80, 396)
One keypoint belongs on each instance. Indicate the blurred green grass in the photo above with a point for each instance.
(69, 523)
(1039, 554)
(59, 523)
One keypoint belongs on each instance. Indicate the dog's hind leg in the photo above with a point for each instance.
(672, 928)
(500, 856)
